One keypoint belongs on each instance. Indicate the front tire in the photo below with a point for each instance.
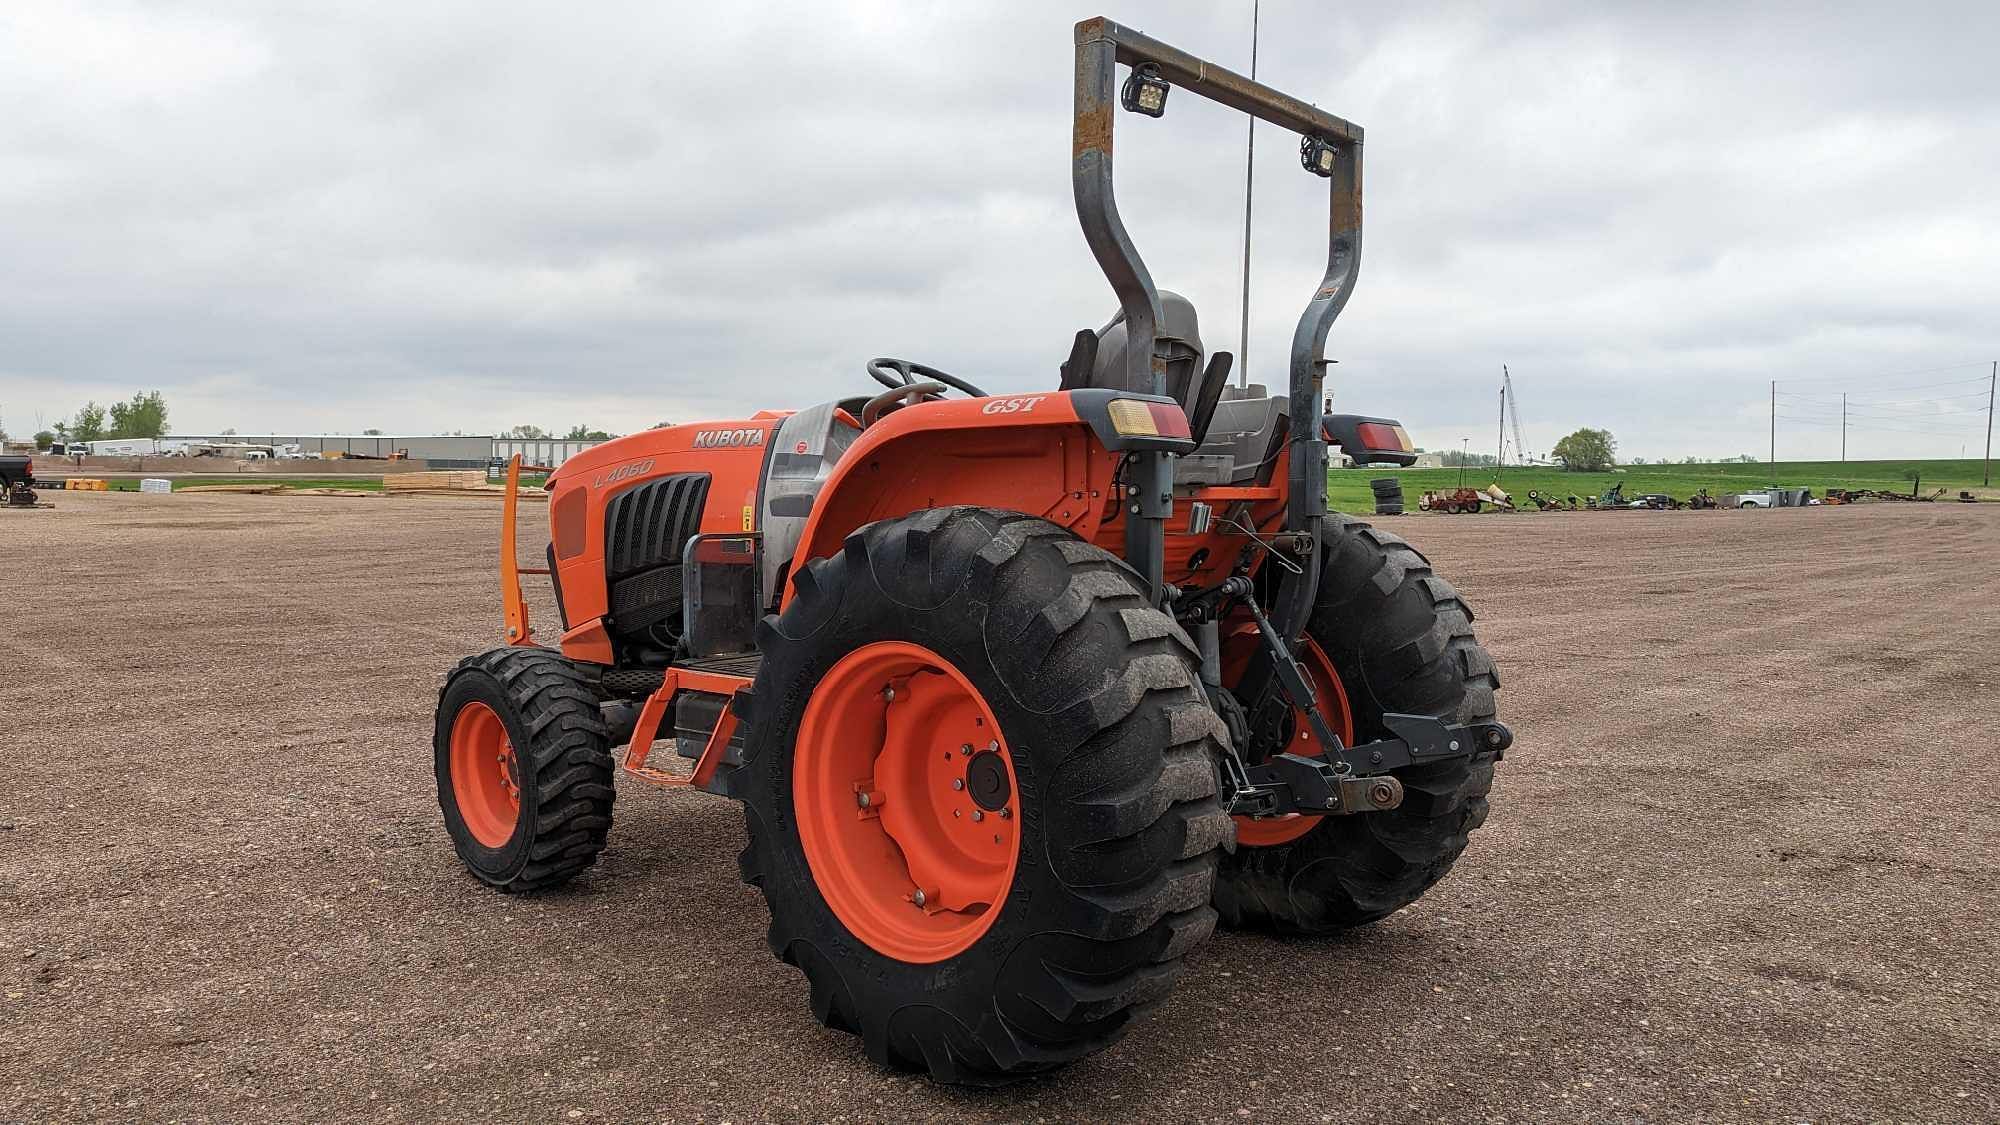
(523, 767)
(974, 616)
(1400, 640)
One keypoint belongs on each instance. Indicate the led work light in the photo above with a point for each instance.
(1317, 156)
(1145, 91)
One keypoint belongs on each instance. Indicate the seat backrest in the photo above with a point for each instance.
(1179, 336)
(1188, 382)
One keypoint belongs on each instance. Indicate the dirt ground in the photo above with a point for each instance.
(1742, 863)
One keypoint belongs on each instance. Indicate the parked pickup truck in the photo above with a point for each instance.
(1771, 498)
(17, 481)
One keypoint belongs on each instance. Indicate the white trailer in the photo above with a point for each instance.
(123, 447)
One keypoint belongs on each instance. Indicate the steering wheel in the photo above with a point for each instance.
(896, 374)
(904, 395)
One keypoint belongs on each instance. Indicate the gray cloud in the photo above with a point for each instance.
(468, 216)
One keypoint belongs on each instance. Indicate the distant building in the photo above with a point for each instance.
(448, 451)
(547, 452)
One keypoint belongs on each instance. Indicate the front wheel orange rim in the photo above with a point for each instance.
(908, 809)
(1239, 644)
(485, 775)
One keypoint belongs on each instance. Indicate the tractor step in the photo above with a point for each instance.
(695, 716)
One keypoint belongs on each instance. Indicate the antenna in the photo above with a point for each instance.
(1249, 175)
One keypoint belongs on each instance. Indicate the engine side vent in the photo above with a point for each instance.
(647, 526)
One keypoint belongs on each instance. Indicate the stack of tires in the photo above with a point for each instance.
(1388, 496)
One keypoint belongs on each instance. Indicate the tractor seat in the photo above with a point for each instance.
(1097, 359)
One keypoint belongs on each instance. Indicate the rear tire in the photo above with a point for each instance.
(523, 766)
(1113, 748)
(1401, 640)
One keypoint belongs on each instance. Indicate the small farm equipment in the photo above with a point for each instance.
(1451, 501)
(1774, 498)
(1612, 497)
(1020, 694)
(1551, 503)
(1701, 500)
(1849, 495)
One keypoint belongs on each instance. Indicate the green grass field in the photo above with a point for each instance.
(1347, 489)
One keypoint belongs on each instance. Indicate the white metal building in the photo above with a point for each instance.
(442, 450)
(539, 451)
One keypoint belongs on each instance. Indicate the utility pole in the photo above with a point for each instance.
(1249, 173)
(1990, 379)
(1843, 426)
(1464, 447)
(1500, 450)
(1774, 424)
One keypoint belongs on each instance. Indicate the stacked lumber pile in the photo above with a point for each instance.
(451, 479)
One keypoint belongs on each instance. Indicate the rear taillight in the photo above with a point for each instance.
(1132, 417)
(1382, 436)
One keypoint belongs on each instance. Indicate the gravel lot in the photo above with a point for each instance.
(1742, 863)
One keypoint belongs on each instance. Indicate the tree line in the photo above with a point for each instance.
(1595, 451)
(576, 433)
(144, 415)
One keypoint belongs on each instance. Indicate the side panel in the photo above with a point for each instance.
(731, 453)
(1025, 453)
(1196, 561)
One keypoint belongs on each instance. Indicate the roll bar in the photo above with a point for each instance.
(1101, 45)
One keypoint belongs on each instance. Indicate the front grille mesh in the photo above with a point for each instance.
(647, 525)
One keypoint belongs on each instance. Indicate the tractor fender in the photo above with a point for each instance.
(1043, 454)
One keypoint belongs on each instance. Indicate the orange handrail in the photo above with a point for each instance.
(516, 607)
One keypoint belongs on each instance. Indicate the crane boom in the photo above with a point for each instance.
(1514, 411)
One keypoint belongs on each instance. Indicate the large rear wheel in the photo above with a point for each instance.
(980, 793)
(1387, 635)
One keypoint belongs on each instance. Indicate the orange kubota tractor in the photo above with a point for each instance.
(1021, 694)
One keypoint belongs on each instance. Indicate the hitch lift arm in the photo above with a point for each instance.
(1341, 779)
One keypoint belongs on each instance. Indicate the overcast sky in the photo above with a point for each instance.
(467, 216)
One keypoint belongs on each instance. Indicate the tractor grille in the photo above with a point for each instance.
(648, 525)
(646, 599)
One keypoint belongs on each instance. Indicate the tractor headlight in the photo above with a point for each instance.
(1145, 91)
(1317, 156)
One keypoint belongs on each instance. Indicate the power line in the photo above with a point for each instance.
(1953, 424)
(1981, 393)
(1945, 416)
(1872, 427)
(1934, 416)
(1885, 375)
(1922, 401)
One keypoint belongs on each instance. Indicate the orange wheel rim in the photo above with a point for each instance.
(908, 808)
(485, 776)
(1239, 644)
